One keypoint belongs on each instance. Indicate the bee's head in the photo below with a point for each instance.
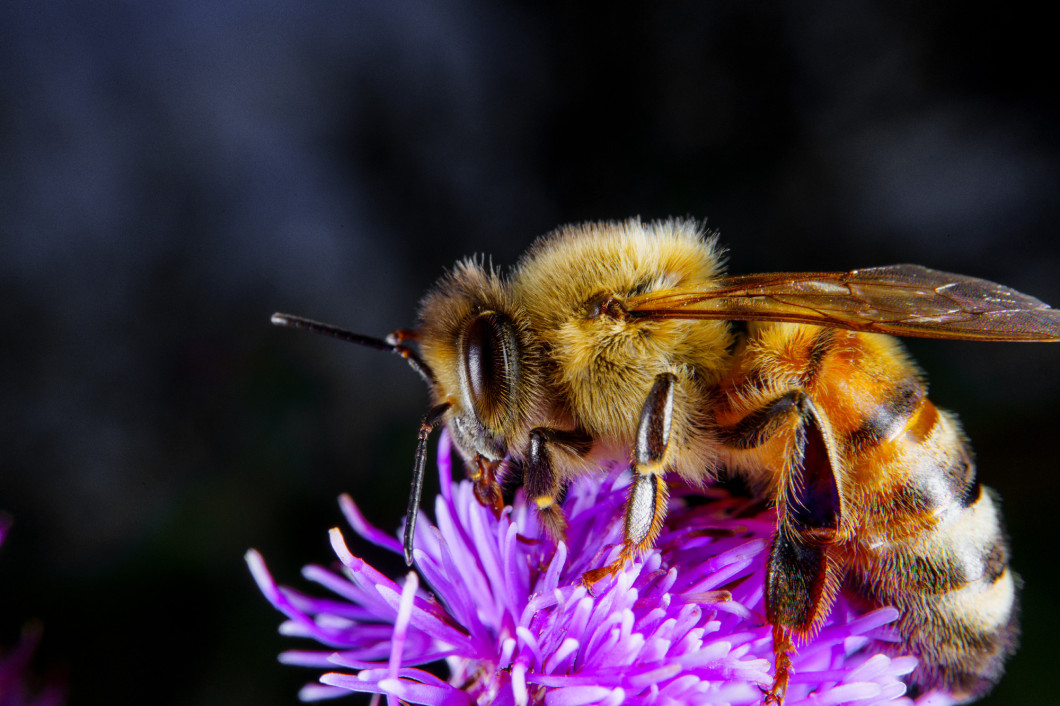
(472, 338)
(476, 349)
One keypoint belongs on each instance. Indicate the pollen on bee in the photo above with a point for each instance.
(544, 501)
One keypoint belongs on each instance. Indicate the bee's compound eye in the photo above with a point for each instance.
(489, 366)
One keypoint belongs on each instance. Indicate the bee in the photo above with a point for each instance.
(617, 341)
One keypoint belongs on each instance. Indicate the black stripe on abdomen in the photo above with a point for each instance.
(957, 596)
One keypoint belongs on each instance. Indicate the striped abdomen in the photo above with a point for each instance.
(931, 543)
(836, 427)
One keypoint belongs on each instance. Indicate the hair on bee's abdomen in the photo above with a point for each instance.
(937, 551)
(917, 531)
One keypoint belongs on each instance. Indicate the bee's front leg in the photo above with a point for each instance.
(646, 507)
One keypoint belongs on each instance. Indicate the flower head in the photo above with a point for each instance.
(507, 613)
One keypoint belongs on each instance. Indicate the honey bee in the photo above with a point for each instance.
(616, 341)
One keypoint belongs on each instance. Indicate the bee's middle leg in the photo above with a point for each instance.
(646, 507)
(541, 480)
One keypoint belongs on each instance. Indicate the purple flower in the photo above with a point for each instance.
(506, 612)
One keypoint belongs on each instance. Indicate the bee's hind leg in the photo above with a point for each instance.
(803, 573)
(783, 648)
(646, 507)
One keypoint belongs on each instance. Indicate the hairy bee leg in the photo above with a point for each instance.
(801, 583)
(646, 507)
(764, 423)
(543, 484)
(801, 579)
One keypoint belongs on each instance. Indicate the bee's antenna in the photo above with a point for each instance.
(430, 420)
(391, 343)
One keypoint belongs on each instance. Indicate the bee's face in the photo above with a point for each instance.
(474, 339)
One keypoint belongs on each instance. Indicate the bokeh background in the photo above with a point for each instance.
(173, 172)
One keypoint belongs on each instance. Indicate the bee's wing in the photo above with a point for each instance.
(903, 300)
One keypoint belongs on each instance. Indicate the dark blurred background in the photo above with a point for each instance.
(173, 172)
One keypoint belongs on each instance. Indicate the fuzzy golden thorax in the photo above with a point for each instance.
(603, 365)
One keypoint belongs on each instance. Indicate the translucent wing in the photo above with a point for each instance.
(903, 300)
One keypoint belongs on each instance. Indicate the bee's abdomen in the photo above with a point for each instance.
(938, 552)
(918, 532)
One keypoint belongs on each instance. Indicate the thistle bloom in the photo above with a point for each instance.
(508, 615)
